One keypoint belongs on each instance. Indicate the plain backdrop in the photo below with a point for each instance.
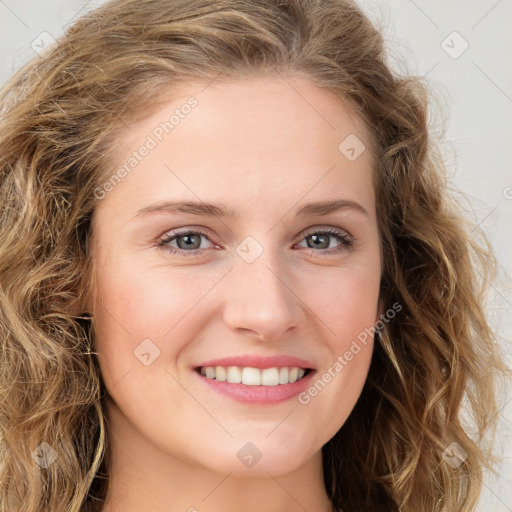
(463, 49)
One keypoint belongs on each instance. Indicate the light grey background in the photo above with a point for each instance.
(427, 38)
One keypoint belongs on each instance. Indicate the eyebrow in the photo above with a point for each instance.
(219, 210)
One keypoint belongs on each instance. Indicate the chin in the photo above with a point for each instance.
(257, 456)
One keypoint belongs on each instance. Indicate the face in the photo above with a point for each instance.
(273, 283)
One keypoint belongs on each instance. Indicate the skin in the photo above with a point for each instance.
(264, 146)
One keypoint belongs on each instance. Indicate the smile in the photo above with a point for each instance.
(254, 376)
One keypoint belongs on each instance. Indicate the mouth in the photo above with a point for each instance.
(249, 376)
(253, 379)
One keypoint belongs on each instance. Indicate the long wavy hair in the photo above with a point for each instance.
(61, 115)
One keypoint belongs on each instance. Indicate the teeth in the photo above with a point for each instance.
(234, 375)
(251, 377)
(220, 373)
(270, 377)
(254, 376)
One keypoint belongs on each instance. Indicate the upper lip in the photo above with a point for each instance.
(261, 362)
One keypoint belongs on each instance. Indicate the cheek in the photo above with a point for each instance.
(351, 318)
(148, 301)
(347, 304)
(137, 304)
(347, 308)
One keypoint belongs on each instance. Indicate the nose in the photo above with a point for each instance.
(260, 300)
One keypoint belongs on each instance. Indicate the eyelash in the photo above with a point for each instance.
(346, 242)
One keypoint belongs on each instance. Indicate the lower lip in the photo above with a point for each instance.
(262, 395)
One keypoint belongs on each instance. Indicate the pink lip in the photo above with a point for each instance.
(258, 395)
(263, 395)
(259, 362)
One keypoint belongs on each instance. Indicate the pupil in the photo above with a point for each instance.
(188, 243)
(317, 238)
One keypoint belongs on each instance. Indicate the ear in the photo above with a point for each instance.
(380, 310)
(80, 309)
(82, 305)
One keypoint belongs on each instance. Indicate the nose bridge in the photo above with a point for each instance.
(260, 298)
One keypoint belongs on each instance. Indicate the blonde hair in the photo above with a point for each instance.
(60, 116)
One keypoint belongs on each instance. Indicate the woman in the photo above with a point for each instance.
(231, 276)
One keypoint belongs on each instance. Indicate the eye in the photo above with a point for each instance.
(191, 241)
(186, 241)
(320, 239)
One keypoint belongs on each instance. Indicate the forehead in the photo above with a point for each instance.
(260, 137)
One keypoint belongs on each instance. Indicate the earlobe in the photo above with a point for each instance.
(84, 316)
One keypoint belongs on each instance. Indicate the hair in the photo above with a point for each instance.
(61, 116)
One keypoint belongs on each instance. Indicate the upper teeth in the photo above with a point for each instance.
(253, 376)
